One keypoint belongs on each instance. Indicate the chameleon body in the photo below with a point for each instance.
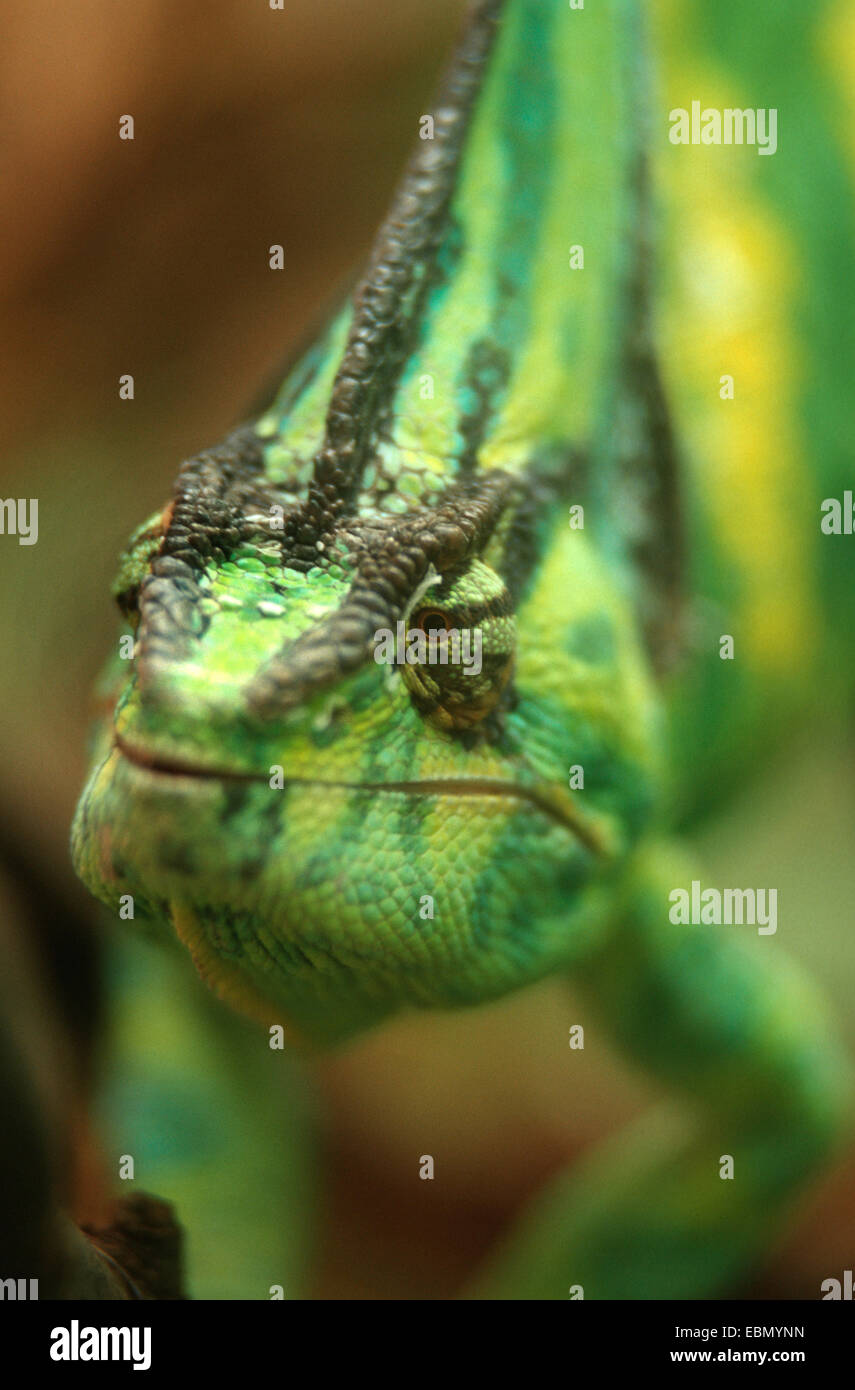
(334, 839)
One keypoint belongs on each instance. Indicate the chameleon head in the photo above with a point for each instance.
(334, 836)
(338, 822)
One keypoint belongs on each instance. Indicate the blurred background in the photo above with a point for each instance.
(150, 257)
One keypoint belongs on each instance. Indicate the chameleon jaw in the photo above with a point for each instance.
(284, 922)
(555, 803)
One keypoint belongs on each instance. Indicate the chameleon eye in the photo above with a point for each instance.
(134, 566)
(128, 604)
(432, 620)
(456, 682)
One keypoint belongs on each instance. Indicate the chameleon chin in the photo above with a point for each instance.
(333, 841)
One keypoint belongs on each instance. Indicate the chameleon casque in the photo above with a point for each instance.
(420, 463)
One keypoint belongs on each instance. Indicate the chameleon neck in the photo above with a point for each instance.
(503, 319)
(505, 256)
(516, 338)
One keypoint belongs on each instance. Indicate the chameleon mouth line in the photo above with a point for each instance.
(563, 815)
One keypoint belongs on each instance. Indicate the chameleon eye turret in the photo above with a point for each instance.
(460, 672)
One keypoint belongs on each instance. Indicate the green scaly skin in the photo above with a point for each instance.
(423, 460)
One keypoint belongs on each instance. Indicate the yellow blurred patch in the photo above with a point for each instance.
(729, 275)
